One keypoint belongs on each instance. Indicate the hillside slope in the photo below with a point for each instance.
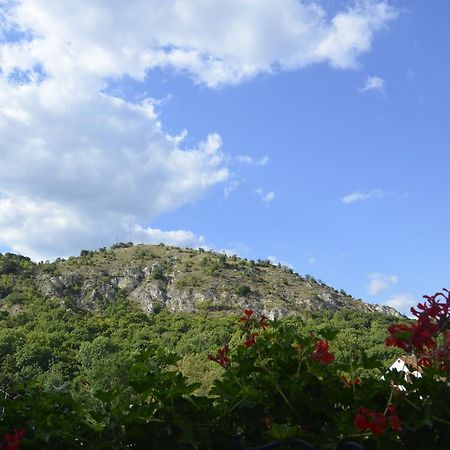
(158, 277)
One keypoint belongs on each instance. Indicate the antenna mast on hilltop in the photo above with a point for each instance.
(129, 230)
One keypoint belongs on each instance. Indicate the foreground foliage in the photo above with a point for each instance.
(121, 379)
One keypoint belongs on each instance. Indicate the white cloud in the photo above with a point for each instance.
(76, 162)
(359, 196)
(231, 187)
(380, 282)
(245, 159)
(275, 261)
(266, 197)
(402, 302)
(374, 84)
(312, 260)
(71, 177)
(181, 238)
(235, 248)
(216, 42)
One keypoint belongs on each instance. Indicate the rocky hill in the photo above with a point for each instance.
(156, 277)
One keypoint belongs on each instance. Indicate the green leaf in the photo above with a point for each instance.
(282, 431)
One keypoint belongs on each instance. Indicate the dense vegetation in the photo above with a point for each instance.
(49, 342)
(117, 378)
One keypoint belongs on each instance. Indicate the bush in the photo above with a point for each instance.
(122, 245)
(4, 290)
(12, 264)
(243, 290)
(158, 273)
(50, 268)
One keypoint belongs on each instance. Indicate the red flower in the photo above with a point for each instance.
(419, 336)
(367, 420)
(248, 313)
(425, 361)
(424, 332)
(251, 340)
(432, 308)
(432, 319)
(400, 336)
(321, 353)
(376, 422)
(222, 357)
(393, 419)
(13, 440)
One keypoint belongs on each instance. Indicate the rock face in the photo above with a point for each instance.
(159, 277)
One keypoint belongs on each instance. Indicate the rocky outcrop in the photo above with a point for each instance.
(155, 278)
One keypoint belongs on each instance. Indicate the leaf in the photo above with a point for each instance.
(105, 396)
(369, 362)
(282, 431)
(93, 424)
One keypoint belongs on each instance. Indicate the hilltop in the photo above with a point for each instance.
(160, 277)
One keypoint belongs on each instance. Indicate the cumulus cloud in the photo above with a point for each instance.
(266, 197)
(374, 84)
(78, 162)
(71, 175)
(402, 302)
(380, 282)
(360, 196)
(216, 42)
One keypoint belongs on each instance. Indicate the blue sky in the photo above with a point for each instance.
(313, 133)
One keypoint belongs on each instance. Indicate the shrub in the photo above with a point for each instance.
(122, 245)
(243, 290)
(11, 263)
(157, 273)
(4, 290)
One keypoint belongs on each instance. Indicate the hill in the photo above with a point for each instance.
(159, 277)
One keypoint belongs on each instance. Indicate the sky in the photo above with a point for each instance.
(314, 133)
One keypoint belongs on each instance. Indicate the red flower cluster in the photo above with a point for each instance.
(251, 340)
(13, 440)
(248, 313)
(434, 309)
(249, 319)
(250, 322)
(321, 352)
(377, 422)
(438, 357)
(421, 337)
(222, 357)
